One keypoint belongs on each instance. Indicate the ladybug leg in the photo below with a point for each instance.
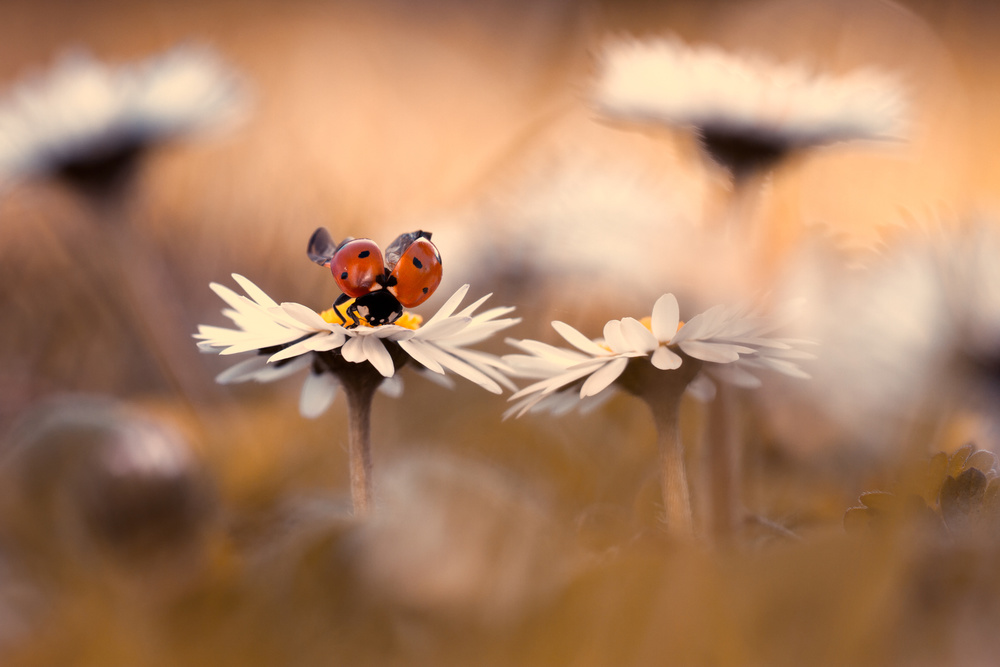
(352, 312)
(343, 298)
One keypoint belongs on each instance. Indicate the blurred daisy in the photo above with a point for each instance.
(749, 114)
(88, 123)
(728, 343)
(657, 359)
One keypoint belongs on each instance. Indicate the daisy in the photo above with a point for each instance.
(290, 337)
(88, 123)
(727, 343)
(657, 359)
(748, 113)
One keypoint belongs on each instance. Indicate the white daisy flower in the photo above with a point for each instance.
(748, 113)
(728, 342)
(84, 115)
(290, 337)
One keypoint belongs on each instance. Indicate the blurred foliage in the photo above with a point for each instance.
(956, 496)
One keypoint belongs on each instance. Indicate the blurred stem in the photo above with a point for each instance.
(740, 223)
(723, 452)
(360, 389)
(151, 298)
(676, 496)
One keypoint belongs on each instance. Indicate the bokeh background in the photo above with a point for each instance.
(530, 541)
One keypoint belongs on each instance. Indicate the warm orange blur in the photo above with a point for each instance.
(541, 544)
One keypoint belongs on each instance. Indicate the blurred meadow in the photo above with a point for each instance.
(151, 516)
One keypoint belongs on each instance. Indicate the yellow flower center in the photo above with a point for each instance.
(407, 320)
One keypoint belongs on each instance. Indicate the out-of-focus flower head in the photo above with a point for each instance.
(289, 337)
(748, 113)
(88, 122)
(727, 342)
(88, 472)
(458, 538)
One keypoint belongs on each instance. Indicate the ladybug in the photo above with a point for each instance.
(381, 288)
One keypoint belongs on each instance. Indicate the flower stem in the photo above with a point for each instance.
(676, 496)
(663, 392)
(360, 391)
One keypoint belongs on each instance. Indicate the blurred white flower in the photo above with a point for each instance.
(289, 337)
(551, 223)
(748, 113)
(84, 114)
(731, 340)
(882, 326)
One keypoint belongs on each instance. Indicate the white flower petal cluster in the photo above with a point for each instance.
(84, 110)
(287, 336)
(731, 340)
(667, 82)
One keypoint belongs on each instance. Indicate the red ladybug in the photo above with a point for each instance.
(407, 277)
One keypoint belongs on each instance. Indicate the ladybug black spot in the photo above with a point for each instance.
(425, 290)
(363, 254)
(416, 263)
(343, 276)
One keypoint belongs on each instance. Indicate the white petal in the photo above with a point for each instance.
(260, 343)
(242, 371)
(719, 353)
(466, 370)
(272, 372)
(489, 364)
(603, 377)
(558, 355)
(477, 332)
(638, 336)
(701, 388)
(418, 349)
(379, 357)
(549, 385)
(318, 392)
(227, 295)
(468, 310)
(305, 315)
(784, 367)
(578, 340)
(302, 347)
(390, 332)
(450, 305)
(614, 338)
(392, 387)
(701, 325)
(254, 292)
(666, 359)
(443, 328)
(666, 317)
(353, 351)
(735, 375)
